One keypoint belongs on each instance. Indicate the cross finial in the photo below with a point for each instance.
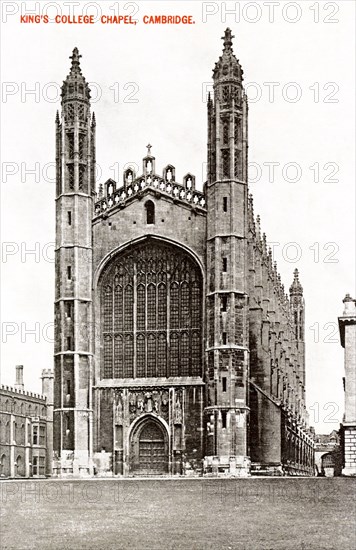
(75, 57)
(227, 38)
(149, 147)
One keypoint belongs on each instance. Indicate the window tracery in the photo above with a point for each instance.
(151, 318)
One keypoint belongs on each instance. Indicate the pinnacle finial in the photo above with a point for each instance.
(149, 147)
(75, 57)
(296, 288)
(227, 38)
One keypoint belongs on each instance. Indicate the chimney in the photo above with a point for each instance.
(19, 378)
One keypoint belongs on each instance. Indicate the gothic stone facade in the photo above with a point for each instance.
(177, 349)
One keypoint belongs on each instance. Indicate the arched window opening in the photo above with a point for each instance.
(150, 212)
(157, 330)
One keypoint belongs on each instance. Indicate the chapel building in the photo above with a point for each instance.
(177, 349)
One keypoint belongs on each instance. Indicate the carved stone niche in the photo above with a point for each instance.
(119, 410)
(178, 411)
(148, 401)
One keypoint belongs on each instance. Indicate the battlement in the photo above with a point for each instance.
(110, 195)
(47, 373)
(10, 389)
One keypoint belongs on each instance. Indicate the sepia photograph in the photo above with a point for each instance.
(178, 298)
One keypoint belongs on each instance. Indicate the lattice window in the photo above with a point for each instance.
(174, 305)
(70, 168)
(213, 164)
(140, 356)
(81, 113)
(196, 354)
(225, 94)
(82, 179)
(128, 316)
(164, 343)
(118, 354)
(237, 130)
(151, 355)
(237, 169)
(151, 307)
(128, 358)
(141, 307)
(70, 145)
(226, 163)
(162, 355)
(118, 307)
(225, 132)
(108, 356)
(70, 112)
(108, 309)
(82, 144)
(184, 305)
(184, 354)
(174, 355)
(162, 306)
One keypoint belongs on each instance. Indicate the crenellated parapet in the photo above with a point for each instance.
(112, 196)
(12, 390)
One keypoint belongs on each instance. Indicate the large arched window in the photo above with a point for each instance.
(151, 313)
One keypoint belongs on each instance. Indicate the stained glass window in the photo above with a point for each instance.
(151, 355)
(164, 319)
(226, 163)
(118, 352)
(174, 305)
(141, 307)
(151, 307)
(161, 355)
(184, 354)
(140, 356)
(128, 358)
(174, 355)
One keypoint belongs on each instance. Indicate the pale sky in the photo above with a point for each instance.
(149, 84)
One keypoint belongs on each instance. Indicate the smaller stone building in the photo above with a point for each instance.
(328, 456)
(347, 327)
(26, 428)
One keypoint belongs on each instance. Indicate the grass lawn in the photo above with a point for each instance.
(197, 514)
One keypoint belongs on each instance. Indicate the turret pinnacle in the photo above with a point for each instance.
(75, 86)
(296, 288)
(228, 67)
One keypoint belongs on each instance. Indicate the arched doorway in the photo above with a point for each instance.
(149, 449)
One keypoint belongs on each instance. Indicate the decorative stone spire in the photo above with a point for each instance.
(296, 288)
(75, 86)
(228, 67)
(258, 228)
(251, 217)
(93, 120)
(270, 261)
(57, 117)
(264, 244)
